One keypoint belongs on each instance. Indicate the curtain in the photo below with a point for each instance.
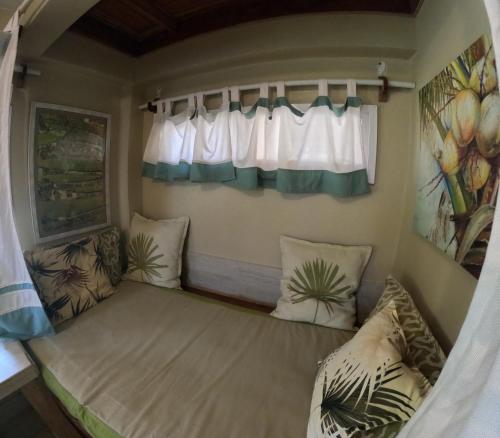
(21, 313)
(322, 149)
(465, 402)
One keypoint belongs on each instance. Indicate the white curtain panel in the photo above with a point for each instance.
(323, 148)
(465, 402)
(21, 313)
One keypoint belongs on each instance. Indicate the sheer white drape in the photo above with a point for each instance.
(465, 403)
(21, 313)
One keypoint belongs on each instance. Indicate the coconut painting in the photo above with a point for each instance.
(458, 169)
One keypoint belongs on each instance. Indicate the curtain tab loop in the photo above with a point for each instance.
(235, 94)
(199, 100)
(191, 103)
(166, 107)
(225, 97)
(351, 88)
(322, 87)
(264, 90)
(280, 89)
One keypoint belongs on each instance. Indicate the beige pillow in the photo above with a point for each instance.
(155, 250)
(364, 384)
(70, 278)
(320, 281)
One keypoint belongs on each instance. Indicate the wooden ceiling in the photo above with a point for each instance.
(139, 26)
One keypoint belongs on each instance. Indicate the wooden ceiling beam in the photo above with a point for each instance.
(154, 13)
(111, 21)
(100, 32)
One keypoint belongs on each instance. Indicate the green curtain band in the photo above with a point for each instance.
(283, 180)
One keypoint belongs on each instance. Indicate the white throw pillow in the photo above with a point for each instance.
(365, 384)
(155, 250)
(320, 281)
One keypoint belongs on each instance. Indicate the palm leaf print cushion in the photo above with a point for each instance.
(107, 246)
(155, 250)
(424, 351)
(320, 281)
(365, 384)
(69, 278)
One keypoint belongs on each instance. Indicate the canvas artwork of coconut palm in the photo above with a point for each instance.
(458, 169)
(69, 187)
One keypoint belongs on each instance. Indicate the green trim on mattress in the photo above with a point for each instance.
(92, 424)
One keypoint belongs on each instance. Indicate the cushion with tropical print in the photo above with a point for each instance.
(388, 431)
(155, 250)
(364, 384)
(108, 247)
(70, 278)
(424, 351)
(320, 281)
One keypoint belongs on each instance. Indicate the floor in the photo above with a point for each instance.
(19, 420)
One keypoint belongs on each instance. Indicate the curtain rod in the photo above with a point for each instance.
(300, 83)
(23, 68)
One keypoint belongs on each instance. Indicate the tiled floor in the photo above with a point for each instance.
(19, 420)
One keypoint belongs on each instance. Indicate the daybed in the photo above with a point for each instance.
(155, 362)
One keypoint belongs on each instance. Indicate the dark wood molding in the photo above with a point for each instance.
(139, 26)
(261, 307)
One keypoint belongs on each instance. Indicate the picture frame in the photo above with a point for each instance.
(458, 173)
(68, 168)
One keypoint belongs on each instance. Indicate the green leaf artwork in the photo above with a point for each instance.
(142, 257)
(69, 165)
(319, 281)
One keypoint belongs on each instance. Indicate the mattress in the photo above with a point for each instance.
(154, 362)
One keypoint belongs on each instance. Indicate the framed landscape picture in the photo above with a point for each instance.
(459, 167)
(69, 170)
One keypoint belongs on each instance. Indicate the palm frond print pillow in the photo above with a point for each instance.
(70, 278)
(365, 385)
(155, 250)
(107, 246)
(320, 281)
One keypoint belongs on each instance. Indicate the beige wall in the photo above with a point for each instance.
(246, 226)
(64, 84)
(301, 46)
(441, 287)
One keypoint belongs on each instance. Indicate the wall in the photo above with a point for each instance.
(230, 225)
(299, 46)
(442, 288)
